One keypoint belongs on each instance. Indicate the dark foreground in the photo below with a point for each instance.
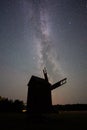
(61, 121)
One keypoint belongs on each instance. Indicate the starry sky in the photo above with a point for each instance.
(44, 33)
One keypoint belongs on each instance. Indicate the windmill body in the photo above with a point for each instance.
(39, 98)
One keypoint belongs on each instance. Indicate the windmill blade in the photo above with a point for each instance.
(45, 74)
(58, 84)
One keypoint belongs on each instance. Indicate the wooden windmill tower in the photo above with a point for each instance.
(39, 98)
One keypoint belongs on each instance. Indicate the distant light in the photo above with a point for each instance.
(24, 110)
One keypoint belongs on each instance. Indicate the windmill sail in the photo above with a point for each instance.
(58, 84)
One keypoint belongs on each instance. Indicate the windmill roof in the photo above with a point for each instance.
(36, 80)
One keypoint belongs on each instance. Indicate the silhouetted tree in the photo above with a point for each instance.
(18, 105)
(11, 106)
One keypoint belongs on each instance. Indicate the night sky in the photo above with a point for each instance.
(44, 33)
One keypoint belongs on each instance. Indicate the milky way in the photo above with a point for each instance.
(44, 33)
(47, 56)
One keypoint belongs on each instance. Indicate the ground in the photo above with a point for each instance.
(61, 121)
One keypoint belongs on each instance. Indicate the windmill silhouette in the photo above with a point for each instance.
(39, 99)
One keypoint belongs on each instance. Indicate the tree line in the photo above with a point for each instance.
(7, 105)
(70, 107)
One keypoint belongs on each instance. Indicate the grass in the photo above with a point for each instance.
(60, 121)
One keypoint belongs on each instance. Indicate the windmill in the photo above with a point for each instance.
(39, 99)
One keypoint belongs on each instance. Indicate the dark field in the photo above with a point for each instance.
(61, 121)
